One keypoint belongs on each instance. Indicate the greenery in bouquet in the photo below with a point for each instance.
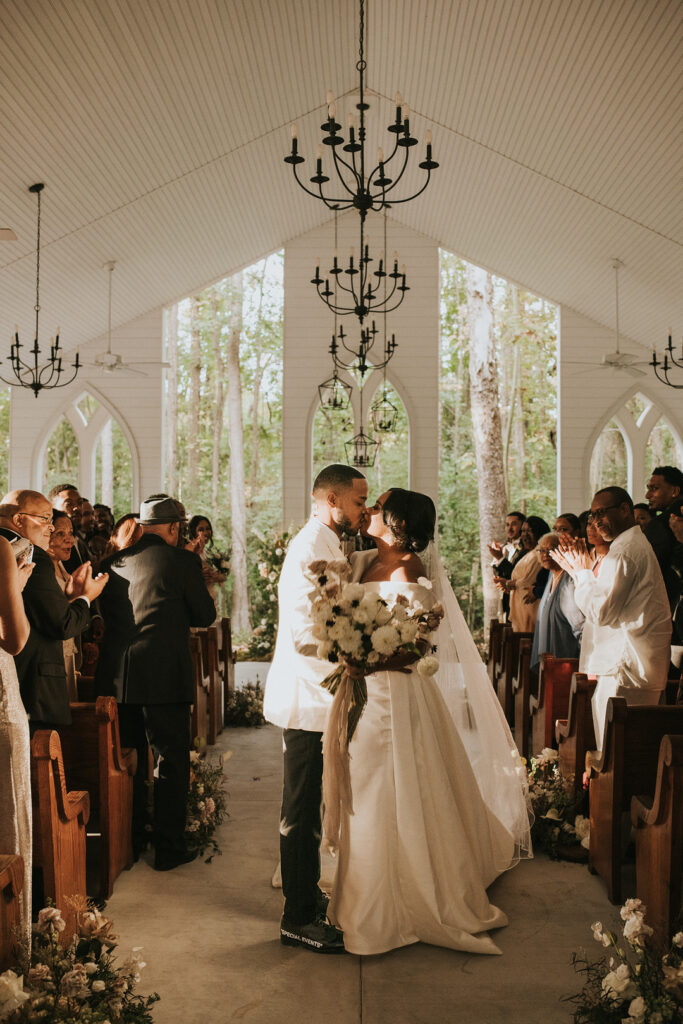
(76, 984)
(557, 821)
(356, 626)
(206, 804)
(244, 707)
(264, 575)
(633, 984)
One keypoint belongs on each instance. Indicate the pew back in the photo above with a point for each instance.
(11, 885)
(552, 700)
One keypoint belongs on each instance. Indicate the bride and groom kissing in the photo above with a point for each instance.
(437, 787)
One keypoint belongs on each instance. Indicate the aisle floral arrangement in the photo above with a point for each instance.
(270, 555)
(354, 624)
(244, 707)
(557, 822)
(77, 983)
(635, 985)
(206, 804)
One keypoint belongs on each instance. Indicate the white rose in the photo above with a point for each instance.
(617, 983)
(385, 640)
(428, 665)
(12, 993)
(408, 632)
(50, 916)
(98, 986)
(635, 928)
(361, 615)
(353, 592)
(632, 907)
(582, 827)
(548, 754)
(678, 939)
(91, 968)
(637, 1008)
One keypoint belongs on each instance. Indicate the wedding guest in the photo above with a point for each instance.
(597, 545)
(559, 622)
(643, 513)
(65, 498)
(104, 520)
(54, 616)
(200, 531)
(627, 648)
(513, 545)
(676, 527)
(664, 496)
(87, 527)
(567, 525)
(15, 754)
(156, 594)
(59, 549)
(125, 534)
(99, 548)
(523, 601)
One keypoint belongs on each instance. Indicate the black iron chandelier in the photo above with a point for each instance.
(356, 186)
(663, 367)
(359, 362)
(36, 377)
(383, 412)
(361, 450)
(335, 394)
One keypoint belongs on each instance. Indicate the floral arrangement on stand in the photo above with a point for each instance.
(206, 804)
(244, 707)
(270, 555)
(558, 825)
(636, 985)
(77, 983)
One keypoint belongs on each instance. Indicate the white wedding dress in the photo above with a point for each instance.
(422, 845)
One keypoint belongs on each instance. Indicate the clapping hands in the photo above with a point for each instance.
(572, 555)
(82, 583)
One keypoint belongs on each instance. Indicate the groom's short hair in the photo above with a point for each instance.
(336, 477)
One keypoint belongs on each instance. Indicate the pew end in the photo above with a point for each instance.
(11, 885)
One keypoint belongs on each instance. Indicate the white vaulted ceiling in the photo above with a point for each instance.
(159, 128)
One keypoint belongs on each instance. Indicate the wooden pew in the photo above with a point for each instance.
(198, 719)
(521, 694)
(511, 644)
(11, 884)
(552, 700)
(575, 734)
(626, 767)
(658, 822)
(227, 660)
(495, 638)
(59, 820)
(94, 761)
(499, 660)
(212, 680)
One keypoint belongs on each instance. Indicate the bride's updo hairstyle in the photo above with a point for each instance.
(411, 517)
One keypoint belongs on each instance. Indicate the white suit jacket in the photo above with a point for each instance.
(627, 632)
(294, 698)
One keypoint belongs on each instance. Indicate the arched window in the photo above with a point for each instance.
(609, 463)
(661, 449)
(114, 470)
(330, 430)
(62, 457)
(392, 462)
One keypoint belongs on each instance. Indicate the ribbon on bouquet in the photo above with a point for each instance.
(350, 698)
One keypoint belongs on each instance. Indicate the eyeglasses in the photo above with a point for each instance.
(36, 515)
(599, 513)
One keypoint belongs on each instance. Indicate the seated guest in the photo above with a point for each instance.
(54, 616)
(644, 514)
(523, 602)
(200, 532)
(65, 498)
(104, 520)
(559, 622)
(59, 549)
(125, 534)
(627, 648)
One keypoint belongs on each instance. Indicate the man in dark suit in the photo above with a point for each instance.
(156, 593)
(54, 616)
(65, 498)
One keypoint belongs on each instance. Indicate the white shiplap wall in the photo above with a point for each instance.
(135, 402)
(308, 327)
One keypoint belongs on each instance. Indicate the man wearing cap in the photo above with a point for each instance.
(156, 593)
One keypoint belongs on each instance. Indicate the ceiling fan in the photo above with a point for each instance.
(113, 362)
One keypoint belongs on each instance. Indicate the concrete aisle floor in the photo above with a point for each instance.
(211, 943)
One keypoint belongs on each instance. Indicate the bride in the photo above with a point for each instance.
(438, 788)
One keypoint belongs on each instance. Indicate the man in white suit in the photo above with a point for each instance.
(296, 701)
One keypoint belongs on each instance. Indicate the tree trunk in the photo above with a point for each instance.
(240, 595)
(255, 423)
(486, 427)
(107, 450)
(172, 402)
(218, 394)
(195, 388)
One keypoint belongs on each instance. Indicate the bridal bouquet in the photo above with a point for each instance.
(356, 625)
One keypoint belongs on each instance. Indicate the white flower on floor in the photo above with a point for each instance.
(12, 993)
(582, 827)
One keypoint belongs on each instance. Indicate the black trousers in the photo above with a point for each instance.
(168, 732)
(133, 734)
(300, 824)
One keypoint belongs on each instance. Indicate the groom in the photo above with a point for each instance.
(297, 702)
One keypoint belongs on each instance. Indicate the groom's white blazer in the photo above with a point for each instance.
(294, 698)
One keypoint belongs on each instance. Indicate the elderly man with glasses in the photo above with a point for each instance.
(627, 633)
(54, 616)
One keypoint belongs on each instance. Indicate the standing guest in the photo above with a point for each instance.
(59, 549)
(15, 753)
(567, 525)
(65, 498)
(520, 586)
(596, 544)
(627, 648)
(505, 557)
(676, 526)
(125, 534)
(200, 532)
(559, 622)
(104, 520)
(54, 616)
(644, 514)
(156, 594)
(87, 527)
(664, 496)
(296, 701)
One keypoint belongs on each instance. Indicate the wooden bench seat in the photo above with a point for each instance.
(627, 767)
(227, 660)
(198, 718)
(552, 700)
(658, 821)
(575, 734)
(95, 761)
(499, 664)
(59, 819)
(495, 638)
(512, 643)
(212, 681)
(11, 885)
(521, 695)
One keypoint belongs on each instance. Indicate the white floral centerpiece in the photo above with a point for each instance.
(557, 824)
